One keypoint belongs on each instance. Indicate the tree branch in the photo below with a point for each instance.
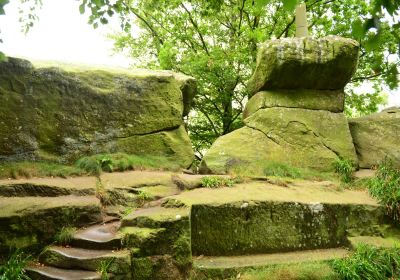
(196, 27)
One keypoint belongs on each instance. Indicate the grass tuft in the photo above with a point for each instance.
(216, 182)
(65, 235)
(121, 162)
(90, 165)
(369, 262)
(385, 187)
(104, 268)
(301, 271)
(14, 268)
(26, 169)
(344, 168)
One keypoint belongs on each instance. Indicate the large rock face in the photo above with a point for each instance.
(329, 100)
(297, 137)
(48, 113)
(296, 116)
(376, 137)
(326, 63)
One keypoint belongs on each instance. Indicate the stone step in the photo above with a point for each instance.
(117, 262)
(48, 187)
(33, 221)
(103, 236)
(227, 266)
(147, 241)
(155, 217)
(38, 272)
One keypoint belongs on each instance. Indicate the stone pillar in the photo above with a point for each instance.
(301, 21)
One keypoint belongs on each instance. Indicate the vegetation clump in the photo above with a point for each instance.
(14, 268)
(27, 169)
(344, 168)
(369, 262)
(214, 182)
(385, 187)
(282, 170)
(121, 162)
(65, 235)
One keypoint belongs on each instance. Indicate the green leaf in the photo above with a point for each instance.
(82, 8)
(261, 3)
(358, 31)
(289, 4)
(2, 4)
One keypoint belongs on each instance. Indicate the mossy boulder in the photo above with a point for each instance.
(308, 63)
(328, 100)
(303, 138)
(257, 227)
(376, 137)
(52, 113)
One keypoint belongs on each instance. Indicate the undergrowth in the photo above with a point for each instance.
(90, 165)
(104, 268)
(344, 168)
(14, 268)
(27, 169)
(213, 182)
(121, 162)
(65, 235)
(369, 262)
(300, 271)
(385, 187)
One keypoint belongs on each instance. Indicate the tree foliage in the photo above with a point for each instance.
(216, 42)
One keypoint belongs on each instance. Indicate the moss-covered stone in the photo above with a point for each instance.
(33, 221)
(54, 113)
(157, 267)
(328, 100)
(309, 63)
(376, 137)
(116, 262)
(303, 138)
(267, 227)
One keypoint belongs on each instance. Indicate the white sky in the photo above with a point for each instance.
(63, 34)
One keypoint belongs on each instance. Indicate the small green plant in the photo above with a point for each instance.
(27, 169)
(143, 196)
(344, 168)
(65, 235)
(14, 268)
(281, 170)
(216, 182)
(104, 268)
(369, 262)
(385, 187)
(121, 162)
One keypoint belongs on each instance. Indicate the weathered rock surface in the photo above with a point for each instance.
(376, 137)
(49, 112)
(297, 137)
(328, 100)
(268, 227)
(87, 259)
(31, 221)
(308, 63)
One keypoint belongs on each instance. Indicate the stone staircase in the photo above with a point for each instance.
(210, 233)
